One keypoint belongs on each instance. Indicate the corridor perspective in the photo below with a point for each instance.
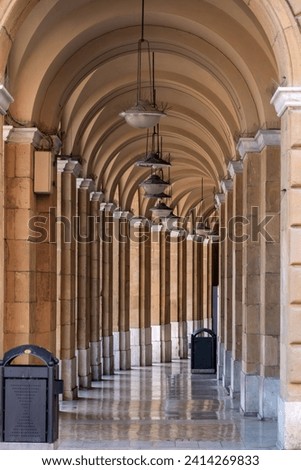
(150, 186)
(161, 407)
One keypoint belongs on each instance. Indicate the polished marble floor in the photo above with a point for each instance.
(160, 407)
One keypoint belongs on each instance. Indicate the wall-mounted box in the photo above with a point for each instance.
(43, 172)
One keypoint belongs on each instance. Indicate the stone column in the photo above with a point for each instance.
(182, 266)
(174, 293)
(84, 277)
(106, 231)
(145, 295)
(134, 290)
(189, 286)
(30, 295)
(227, 186)
(249, 399)
(220, 203)
(270, 275)
(121, 260)
(165, 296)
(156, 293)
(5, 100)
(70, 170)
(197, 281)
(287, 101)
(235, 169)
(95, 293)
(207, 285)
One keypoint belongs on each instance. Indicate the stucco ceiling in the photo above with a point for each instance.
(72, 69)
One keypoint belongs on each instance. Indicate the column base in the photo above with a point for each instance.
(135, 347)
(249, 394)
(235, 378)
(108, 356)
(183, 340)
(125, 350)
(96, 365)
(68, 374)
(175, 340)
(146, 346)
(226, 379)
(289, 418)
(84, 368)
(161, 343)
(269, 388)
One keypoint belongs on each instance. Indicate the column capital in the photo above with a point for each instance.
(227, 185)
(286, 97)
(156, 228)
(87, 184)
(263, 138)
(5, 100)
(219, 199)
(108, 206)
(235, 167)
(32, 135)
(138, 221)
(70, 166)
(97, 196)
(118, 214)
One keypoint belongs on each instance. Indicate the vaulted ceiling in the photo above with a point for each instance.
(73, 69)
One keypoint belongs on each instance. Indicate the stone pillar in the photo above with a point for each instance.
(106, 231)
(5, 100)
(134, 290)
(189, 286)
(156, 293)
(145, 295)
(220, 203)
(270, 275)
(174, 293)
(237, 226)
(30, 294)
(84, 277)
(287, 101)
(95, 308)
(227, 186)
(182, 265)
(249, 399)
(197, 281)
(69, 170)
(165, 296)
(121, 283)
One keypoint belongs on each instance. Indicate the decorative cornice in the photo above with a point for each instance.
(286, 97)
(26, 135)
(227, 185)
(61, 165)
(5, 100)
(263, 138)
(235, 167)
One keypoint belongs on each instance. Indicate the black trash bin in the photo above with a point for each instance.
(29, 397)
(203, 351)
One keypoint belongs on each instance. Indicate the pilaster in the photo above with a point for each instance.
(287, 101)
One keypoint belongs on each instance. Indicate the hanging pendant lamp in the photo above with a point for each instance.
(161, 210)
(144, 113)
(153, 158)
(154, 186)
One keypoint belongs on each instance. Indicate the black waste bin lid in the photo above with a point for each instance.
(42, 353)
(204, 330)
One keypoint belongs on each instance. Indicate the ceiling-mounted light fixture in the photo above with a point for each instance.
(154, 158)
(154, 187)
(161, 210)
(145, 113)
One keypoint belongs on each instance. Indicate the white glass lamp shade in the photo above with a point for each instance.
(154, 185)
(143, 115)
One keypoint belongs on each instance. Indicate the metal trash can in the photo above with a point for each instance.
(203, 352)
(29, 397)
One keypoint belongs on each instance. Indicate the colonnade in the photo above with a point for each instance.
(249, 326)
(103, 289)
